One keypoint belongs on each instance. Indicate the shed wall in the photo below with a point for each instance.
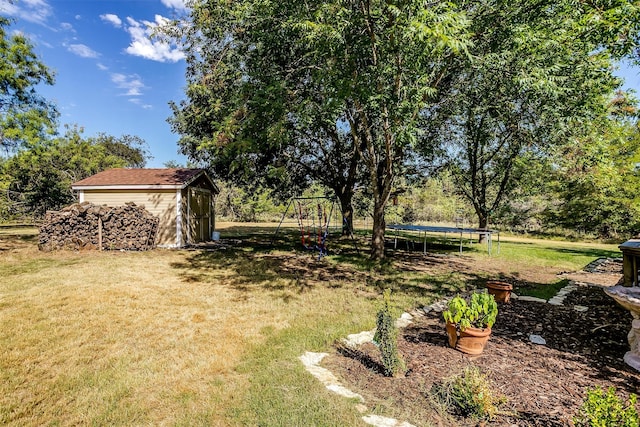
(161, 203)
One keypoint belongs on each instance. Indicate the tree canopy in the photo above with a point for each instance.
(597, 178)
(25, 116)
(535, 78)
(38, 179)
(272, 80)
(350, 91)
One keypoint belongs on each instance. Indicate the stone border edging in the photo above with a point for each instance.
(311, 362)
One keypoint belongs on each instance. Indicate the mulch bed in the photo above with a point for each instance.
(544, 384)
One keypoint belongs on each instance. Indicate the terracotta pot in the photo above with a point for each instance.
(501, 291)
(473, 340)
(452, 332)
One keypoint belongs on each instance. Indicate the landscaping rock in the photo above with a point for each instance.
(531, 299)
(404, 320)
(355, 340)
(537, 339)
(437, 307)
(379, 421)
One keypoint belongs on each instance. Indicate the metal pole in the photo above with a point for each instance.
(273, 238)
(424, 250)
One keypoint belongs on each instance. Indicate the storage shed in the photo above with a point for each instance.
(182, 198)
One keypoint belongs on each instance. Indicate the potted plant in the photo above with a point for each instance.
(501, 291)
(469, 323)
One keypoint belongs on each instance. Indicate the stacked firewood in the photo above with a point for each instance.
(85, 226)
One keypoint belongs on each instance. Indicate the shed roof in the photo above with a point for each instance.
(143, 178)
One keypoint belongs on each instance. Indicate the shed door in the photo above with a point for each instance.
(199, 215)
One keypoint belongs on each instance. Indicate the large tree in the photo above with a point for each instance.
(291, 78)
(25, 116)
(537, 75)
(597, 177)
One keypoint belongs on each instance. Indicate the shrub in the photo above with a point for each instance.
(606, 409)
(469, 394)
(387, 338)
(480, 312)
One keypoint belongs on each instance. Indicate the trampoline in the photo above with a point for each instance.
(423, 230)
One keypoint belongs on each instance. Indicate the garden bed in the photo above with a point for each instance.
(544, 384)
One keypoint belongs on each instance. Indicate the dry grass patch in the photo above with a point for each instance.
(165, 337)
(121, 338)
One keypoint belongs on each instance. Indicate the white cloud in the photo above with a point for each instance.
(67, 27)
(9, 9)
(102, 67)
(37, 11)
(138, 102)
(132, 84)
(83, 51)
(112, 19)
(143, 45)
(175, 4)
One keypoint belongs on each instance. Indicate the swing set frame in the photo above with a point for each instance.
(313, 237)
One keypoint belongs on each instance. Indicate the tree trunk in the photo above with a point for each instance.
(347, 213)
(379, 225)
(345, 196)
(483, 223)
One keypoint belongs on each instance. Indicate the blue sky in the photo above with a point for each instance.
(109, 76)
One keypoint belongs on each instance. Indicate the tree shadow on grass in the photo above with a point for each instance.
(257, 259)
(256, 266)
(16, 241)
(253, 271)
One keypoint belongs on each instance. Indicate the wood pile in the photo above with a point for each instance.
(85, 226)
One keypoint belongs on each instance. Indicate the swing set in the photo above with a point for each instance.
(313, 215)
(313, 222)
